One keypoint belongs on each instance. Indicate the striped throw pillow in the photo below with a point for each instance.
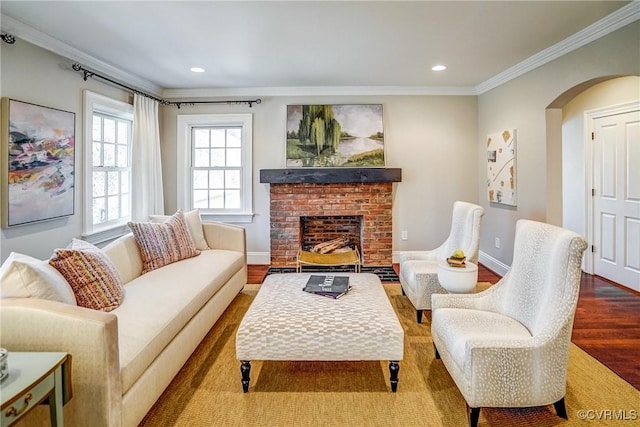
(91, 275)
(163, 243)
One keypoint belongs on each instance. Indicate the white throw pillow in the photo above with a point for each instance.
(194, 224)
(23, 276)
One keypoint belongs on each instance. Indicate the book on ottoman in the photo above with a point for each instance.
(327, 286)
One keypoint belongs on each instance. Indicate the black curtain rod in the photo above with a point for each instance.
(88, 73)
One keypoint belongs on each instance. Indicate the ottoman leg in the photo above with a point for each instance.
(245, 368)
(393, 370)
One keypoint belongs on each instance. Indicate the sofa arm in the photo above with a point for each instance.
(89, 336)
(225, 236)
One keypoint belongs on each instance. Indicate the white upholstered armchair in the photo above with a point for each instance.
(509, 345)
(419, 269)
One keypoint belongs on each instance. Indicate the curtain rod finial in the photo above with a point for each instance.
(8, 38)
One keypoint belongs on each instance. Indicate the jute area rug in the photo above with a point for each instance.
(208, 392)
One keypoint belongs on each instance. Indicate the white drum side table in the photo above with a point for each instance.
(458, 280)
(34, 377)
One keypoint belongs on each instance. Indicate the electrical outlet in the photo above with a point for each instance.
(497, 243)
(405, 236)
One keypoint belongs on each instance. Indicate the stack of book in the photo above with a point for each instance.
(327, 286)
(456, 262)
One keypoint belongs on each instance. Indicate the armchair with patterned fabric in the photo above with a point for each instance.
(419, 269)
(509, 345)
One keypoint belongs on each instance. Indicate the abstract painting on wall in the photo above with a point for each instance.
(501, 167)
(342, 135)
(38, 163)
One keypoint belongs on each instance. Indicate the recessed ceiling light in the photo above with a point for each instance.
(439, 67)
(197, 69)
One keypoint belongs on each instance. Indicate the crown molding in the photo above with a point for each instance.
(318, 91)
(616, 20)
(38, 38)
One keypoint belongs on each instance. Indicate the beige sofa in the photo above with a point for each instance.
(124, 359)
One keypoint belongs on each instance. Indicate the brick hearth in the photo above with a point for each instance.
(372, 201)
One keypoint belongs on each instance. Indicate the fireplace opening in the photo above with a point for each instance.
(331, 234)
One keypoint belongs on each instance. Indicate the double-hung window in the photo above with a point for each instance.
(214, 166)
(108, 142)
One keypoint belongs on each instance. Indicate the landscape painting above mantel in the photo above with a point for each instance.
(341, 135)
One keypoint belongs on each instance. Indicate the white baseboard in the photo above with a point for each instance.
(259, 258)
(493, 264)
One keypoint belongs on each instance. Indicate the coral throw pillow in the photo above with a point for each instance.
(163, 243)
(91, 275)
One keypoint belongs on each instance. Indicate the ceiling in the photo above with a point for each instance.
(285, 44)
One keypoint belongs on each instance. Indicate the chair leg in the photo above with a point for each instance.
(419, 316)
(473, 416)
(561, 410)
(435, 350)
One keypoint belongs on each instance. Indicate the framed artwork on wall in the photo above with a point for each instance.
(501, 167)
(341, 135)
(38, 163)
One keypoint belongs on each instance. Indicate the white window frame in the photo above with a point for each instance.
(186, 123)
(96, 103)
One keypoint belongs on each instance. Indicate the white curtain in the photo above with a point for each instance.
(146, 185)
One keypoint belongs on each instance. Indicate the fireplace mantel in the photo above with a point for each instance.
(330, 175)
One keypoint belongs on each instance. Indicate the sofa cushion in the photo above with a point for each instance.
(125, 256)
(160, 303)
(23, 276)
(194, 224)
(92, 276)
(165, 243)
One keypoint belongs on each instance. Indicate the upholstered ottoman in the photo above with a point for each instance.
(286, 323)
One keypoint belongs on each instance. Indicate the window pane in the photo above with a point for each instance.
(200, 199)
(201, 157)
(234, 157)
(114, 207)
(123, 153)
(217, 157)
(234, 137)
(232, 199)
(97, 154)
(124, 200)
(217, 179)
(113, 184)
(124, 182)
(217, 137)
(109, 155)
(109, 130)
(216, 199)
(99, 179)
(232, 179)
(201, 179)
(97, 128)
(99, 212)
(201, 137)
(123, 132)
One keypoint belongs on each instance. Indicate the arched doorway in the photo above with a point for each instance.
(570, 157)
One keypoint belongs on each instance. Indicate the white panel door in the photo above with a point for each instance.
(616, 209)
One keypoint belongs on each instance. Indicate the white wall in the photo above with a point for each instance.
(432, 138)
(438, 141)
(521, 103)
(35, 75)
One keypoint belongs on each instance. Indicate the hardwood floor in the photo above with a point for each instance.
(606, 325)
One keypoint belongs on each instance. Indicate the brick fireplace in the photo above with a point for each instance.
(323, 197)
